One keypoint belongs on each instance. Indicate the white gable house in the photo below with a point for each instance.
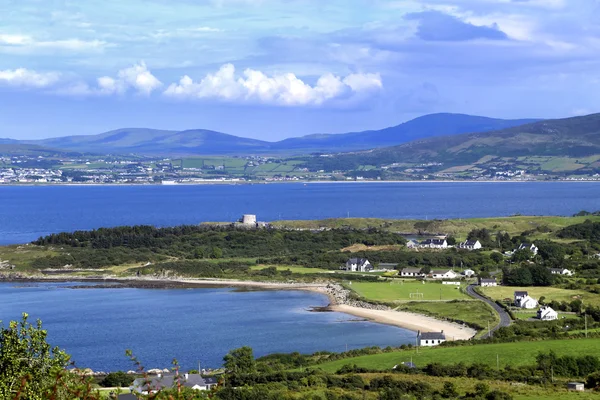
(431, 338)
(468, 273)
(470, 245)
(528, 303)
(547, 314)
(358, 265)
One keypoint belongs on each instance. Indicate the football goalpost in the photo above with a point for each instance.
(417, 295)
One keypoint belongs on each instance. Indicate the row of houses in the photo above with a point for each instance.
(443, 244)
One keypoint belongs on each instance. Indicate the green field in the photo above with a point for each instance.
(400, 290)
(514, 354)
(550, 293)
(458, 228)
(524, 315)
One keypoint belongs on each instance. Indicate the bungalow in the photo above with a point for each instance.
(146, 386)
(412, 272)
(431, 338)
(527, 302)
(443, 274)
(487, 282)
(358, 265)
(560, 271)
(434, 244)
(529, 246)
(547, 314)
(470, 245)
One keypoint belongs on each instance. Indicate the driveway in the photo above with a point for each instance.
(505, 319)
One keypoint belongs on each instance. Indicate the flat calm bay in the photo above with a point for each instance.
(28, 212)
(96, 326)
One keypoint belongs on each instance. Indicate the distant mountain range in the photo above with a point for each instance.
(568, 137)
(206, 142)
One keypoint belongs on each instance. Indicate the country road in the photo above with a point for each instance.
(505, 319)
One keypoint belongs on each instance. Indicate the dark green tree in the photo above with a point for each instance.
(240, 360)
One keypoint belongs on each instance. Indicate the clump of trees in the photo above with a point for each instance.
(534, 275)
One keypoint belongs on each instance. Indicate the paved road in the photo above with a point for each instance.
(505, 319)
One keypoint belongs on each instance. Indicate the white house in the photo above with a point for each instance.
(560, 271)
(431, 338)
(529, 246)
(147, 386)
(412, 244)
(468, 273)
(487, 282)
(434, 244)
(358, 265)
(411, 272)
(519, 295)
(528, 303)
(547, 314)
(470, 245)
(443, 274)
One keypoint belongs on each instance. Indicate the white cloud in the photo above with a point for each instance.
(29, 43)
(23, 77)
(136, 78)
(278, 89)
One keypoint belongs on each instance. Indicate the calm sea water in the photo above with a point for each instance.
(96, 326)
(27, 213)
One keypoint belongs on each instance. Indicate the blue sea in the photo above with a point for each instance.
(28, 212)
(194, 326)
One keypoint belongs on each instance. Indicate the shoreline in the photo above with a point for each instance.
(337, 296)
(301, 182)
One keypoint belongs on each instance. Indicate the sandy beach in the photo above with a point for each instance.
(411, 321)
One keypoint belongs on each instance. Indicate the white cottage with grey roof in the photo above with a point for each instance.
(429, 339)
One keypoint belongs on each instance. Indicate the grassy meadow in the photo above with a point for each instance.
(458, 228)
(550, 293)
(399, 290)
(513, 354)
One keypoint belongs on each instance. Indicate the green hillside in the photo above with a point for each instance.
(570, 138)
(513, 354)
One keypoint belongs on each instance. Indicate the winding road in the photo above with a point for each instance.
(505, 319)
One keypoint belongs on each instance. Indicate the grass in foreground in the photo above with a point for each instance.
(401, 290)
(514, 354)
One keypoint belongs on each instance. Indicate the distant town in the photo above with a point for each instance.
(51, 169)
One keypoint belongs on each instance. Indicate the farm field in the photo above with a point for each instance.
(550, 293)
(400, 291)
(513, 354)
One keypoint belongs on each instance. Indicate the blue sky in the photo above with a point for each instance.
(272, 69)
